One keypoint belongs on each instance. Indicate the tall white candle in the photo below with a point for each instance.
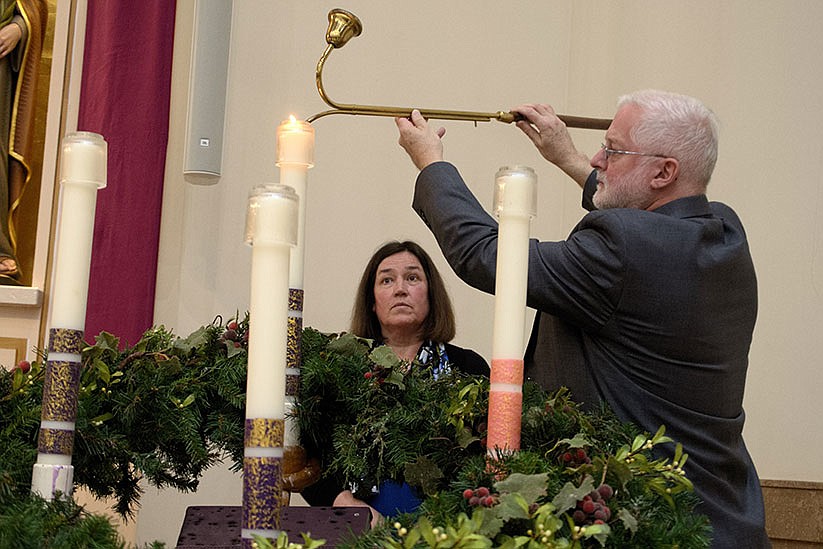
(271, 229)
(82, 174)
(515, 194)
(515, 199)
(295, 155)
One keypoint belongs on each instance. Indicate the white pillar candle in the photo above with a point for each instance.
(271, 229)
(295, 156)
(82, 174)
(515, 198)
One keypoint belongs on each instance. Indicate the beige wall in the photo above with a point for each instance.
(754, 62)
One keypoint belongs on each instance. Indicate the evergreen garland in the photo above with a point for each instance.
(371, 417)
(167, 408)
(32, 523)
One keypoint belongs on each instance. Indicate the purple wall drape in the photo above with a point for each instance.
(124, 97)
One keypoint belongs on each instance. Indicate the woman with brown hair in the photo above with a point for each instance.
(402, 302)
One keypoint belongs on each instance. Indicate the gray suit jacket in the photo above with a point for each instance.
(649, 311)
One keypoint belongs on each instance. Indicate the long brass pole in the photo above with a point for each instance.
(344, 26)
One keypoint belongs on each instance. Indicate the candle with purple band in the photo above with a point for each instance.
(83, 172)
(295, 156)
(271, 230)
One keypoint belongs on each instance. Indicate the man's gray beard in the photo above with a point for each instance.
(627, 195)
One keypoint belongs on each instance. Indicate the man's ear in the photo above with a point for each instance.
(669, 171)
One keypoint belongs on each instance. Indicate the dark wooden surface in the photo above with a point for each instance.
(218, 526)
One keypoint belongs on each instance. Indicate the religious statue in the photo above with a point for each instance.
(22, 31)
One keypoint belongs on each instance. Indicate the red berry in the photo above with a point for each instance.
(588, 507)
(581, 454)
(600, 514)
(24, 366)
(236, 344)
(567, 457)
(598, 521)
(368, 375)
(468, 493)
(605, 491)
(482, 492)
(232, 325)
(488, 501)
(579, 517)
(474, 501)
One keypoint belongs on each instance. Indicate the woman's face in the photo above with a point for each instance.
(401, 294)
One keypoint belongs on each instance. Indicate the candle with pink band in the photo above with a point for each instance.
(515, 199)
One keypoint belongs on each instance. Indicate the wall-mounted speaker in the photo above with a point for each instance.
(208, 82)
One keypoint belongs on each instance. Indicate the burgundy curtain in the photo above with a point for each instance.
(125, 97)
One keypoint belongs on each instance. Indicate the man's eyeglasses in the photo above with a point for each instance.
(607, 152)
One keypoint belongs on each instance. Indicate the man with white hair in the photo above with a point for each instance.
(649, 304)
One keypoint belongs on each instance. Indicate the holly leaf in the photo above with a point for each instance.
(600, 532)
(569, 495)
(384, 357)
(578, 441)
(512, 506)
(530, 487)
(198, 338)
(394, 378)
(619, 472)
(490, 523)
(465, 437)
(107, 341)
(348, 344)
(424, 473)
(232, 349)
(627, 519)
